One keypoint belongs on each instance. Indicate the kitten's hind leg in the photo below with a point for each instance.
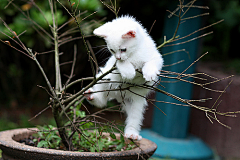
(134, 110)
(96, 96)
(88, 94)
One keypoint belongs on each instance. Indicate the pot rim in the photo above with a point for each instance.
(7, 141)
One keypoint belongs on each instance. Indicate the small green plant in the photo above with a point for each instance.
(92, 141)
(47, 137)
(92, 138)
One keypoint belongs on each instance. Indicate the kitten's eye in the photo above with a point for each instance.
(123, 50)
(112, 50)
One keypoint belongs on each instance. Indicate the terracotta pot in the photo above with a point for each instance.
(13, 150)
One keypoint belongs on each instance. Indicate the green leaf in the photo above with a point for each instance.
(43, 144)
(113, 136)
(101, 145)
(122, 139)
(92, 148)
(82, 114)
(55, 137)
(120, 146)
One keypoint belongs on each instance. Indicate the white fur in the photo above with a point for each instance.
(141, 54)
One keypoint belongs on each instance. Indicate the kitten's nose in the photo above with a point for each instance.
(118, 58)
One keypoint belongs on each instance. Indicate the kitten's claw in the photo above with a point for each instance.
(150, 76)
(133, 136)
(131, 133)
(88, 94)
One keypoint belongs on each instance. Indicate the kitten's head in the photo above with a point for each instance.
(121, 36)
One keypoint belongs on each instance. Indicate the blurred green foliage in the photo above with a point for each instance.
(22, 121)
(14, 16)
(222, 45)
(11, 124)
(233, 66)
(19, 75)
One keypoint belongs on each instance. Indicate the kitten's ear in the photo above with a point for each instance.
(100, 31)
(129, 34)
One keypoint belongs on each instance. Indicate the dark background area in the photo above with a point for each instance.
(20, 98)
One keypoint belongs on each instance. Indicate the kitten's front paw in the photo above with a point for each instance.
(126, 70)
(128, 75)
(150, 75)
(132, 134)
(88, 94)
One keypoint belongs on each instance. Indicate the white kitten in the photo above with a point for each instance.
(132, 49)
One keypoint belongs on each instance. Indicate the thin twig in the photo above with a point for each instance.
(39, 113)
(73, 65)
(152, 27)
(192, 64)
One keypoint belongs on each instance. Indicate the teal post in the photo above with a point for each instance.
(170, 131)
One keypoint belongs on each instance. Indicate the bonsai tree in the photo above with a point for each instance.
(66, 105)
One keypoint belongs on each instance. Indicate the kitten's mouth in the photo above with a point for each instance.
(121, 60)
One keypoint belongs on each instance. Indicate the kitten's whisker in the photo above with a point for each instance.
(102, 49)
(105, 51)
(103, 61)
(100, 46)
